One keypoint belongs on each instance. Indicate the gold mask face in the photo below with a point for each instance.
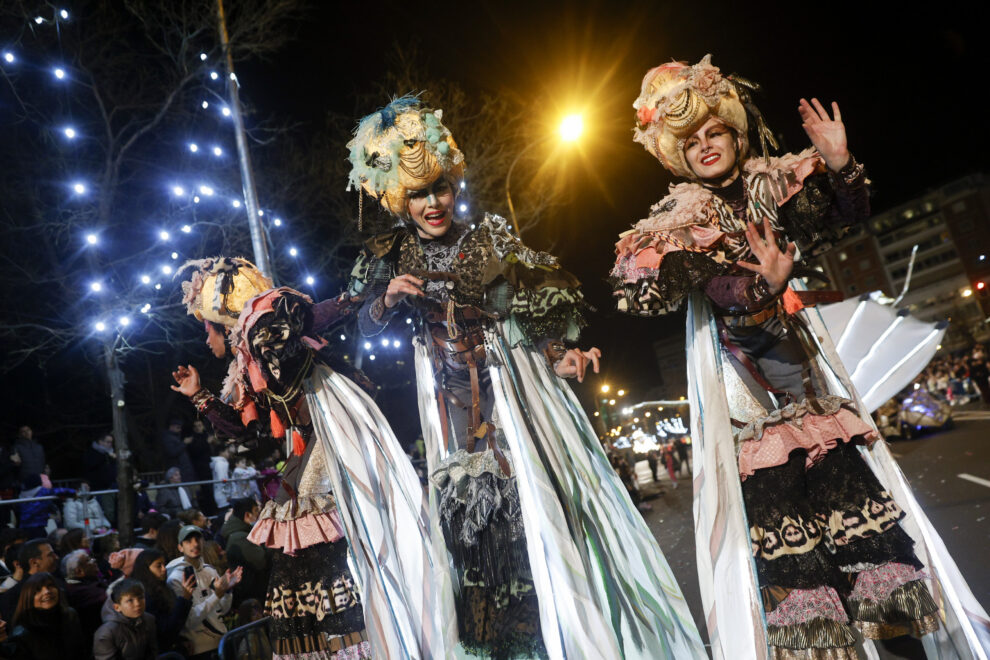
(220, 287)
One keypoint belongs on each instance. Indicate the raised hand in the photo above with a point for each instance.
(187, 380)
(775, 266)
(400, 287)
(188, 586)
(575, 362)
(828, 134)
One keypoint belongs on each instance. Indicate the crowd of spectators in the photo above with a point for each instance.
(960, 378)
(67, 588)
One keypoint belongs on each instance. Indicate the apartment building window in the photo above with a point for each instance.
(958, 206)
(865, 264)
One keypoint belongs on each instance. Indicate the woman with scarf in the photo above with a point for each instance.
(792, 483)
(549, 555)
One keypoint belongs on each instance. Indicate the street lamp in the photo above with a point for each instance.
(605, 389)
(570, 130)
(621, 392)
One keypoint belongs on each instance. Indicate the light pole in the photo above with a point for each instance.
(570, 130)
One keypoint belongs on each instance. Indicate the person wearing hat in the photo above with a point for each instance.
(824, 529)
(534, 519)
(211, 599)
(346, 480)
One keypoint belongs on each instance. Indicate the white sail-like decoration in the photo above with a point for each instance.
(882, 349)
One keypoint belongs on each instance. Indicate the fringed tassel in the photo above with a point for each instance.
(909, 610)
(298, 444)
(818, 633)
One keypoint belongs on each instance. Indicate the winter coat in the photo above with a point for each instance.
(100, 469)
(204, 626)
(241, 552)
(35, 514)
(199, 451)
(9, 473)
(221, 470)
(170, 616)
(32, 456)
(86, 597)
(45, 635)
(123, 638)
(168, 501)
(174, 454)
(75, 513)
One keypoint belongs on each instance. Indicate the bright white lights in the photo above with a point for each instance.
(186, 229)
(293, 252)
(195, 199)
(95, 287)
(204, 105)
(69, 132)
(167, 269)
(462, 208)
(145, 279)
(79, 188)
(217, 151)
(39, 20)
(261, 213)
(310, 280)
(59, 73)
(367, 345)
(178, 191)
(396, 343)
(463, 185)
(193, 147)
(343, 337)
(214, 75)
(64, 14)
(371, 357)
(100, 326)
(983, 257)
(967, 293)
(125, 320)
(408, 321)
(8, 57)
(174, 255)
(158, 287)
(277, 222)
(225, 111)
(164, 235)
(571, 127)
(202, 57)
(92, 239)
(206, 190)
(385, 343)
(146, 308)
(236, 203)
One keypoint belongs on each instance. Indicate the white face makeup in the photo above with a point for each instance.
(711, 152)
(432, 208)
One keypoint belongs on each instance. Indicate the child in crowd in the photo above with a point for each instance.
(128, 633)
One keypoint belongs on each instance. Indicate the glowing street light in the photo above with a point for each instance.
(621, 392)
(310, 280)
(59, 73)
(92, 239)
(605, 389)
(571, 128)
(79, 188)
(69, 132)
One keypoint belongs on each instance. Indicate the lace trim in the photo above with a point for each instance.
(461, 465)
(294, 509)
(793, 414)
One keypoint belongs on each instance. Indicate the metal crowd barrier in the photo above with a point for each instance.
(250, 642)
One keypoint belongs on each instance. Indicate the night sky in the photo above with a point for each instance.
(906, 80)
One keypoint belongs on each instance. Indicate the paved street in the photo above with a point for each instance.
(959, 507)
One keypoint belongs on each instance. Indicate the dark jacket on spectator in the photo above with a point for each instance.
(32, 456)
(174, 454)
(35, 514)
(9, 473)
(241, 552)
(167, 501)
(170, 612)
(45, 635)
(86, 597)
(100, 469)
(122, 638)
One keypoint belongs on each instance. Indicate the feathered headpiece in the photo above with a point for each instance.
(220, 287)
(677, 99)
(399, 148)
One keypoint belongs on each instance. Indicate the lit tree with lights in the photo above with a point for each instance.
(116, 120)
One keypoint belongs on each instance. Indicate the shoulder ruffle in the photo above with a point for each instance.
(663, 290)
(785, 174)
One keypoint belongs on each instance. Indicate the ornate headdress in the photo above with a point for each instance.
(676, 99)
(399, 148)
(220, 287)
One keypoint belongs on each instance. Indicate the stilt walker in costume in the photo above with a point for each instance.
(549, 556)
(808, 535)
(346, 485)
